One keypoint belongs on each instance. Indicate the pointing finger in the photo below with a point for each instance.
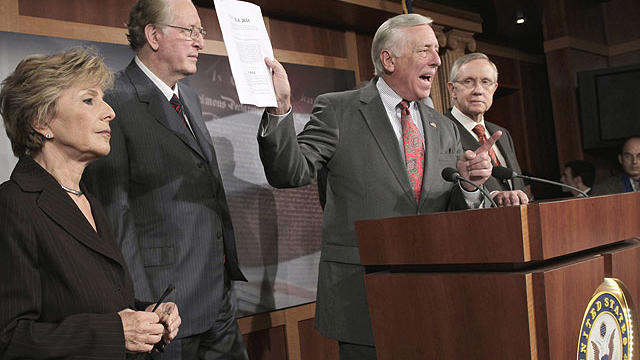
(489, 143)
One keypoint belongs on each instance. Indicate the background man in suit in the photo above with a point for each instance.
(579, 174)
(629, 180)
(372, 172)
(161, 185)
(472, 82)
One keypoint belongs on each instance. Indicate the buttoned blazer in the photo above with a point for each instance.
(350, 135)
(61, 282)
(505, 144)
(162, 189)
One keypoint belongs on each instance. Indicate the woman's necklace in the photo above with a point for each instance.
(70, 190)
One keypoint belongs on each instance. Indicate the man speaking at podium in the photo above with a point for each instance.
(384, 151)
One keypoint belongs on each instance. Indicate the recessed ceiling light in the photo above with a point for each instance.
(520, 19)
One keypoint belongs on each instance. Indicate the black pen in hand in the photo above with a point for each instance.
(159, 346)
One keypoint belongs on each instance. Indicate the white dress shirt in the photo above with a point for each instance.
(164, 88)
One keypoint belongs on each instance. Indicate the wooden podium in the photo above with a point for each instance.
(505, 283)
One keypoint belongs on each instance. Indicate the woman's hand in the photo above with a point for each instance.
(170, 317)
(142, 329)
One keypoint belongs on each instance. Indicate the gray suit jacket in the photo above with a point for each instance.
(162, 190)
(505, 144)
(350, 135)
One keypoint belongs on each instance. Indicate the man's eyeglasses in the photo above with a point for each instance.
(193, 31)
(471, 83)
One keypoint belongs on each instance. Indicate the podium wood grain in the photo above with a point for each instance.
(534, 232)
(476, 308)
(525, 315)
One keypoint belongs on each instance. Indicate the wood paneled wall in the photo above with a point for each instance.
(522, 105)
(585, 35)
(286, 334)
(283, 334)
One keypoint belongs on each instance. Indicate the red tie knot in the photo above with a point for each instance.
(479, 130)
(404, 106)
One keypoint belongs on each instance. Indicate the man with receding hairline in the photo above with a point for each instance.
(161, 185)
(629, 179)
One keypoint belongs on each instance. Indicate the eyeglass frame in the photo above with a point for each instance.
(192, 30)
(484, 83)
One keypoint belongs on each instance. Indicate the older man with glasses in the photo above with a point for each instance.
(472, 82)
(161, 185)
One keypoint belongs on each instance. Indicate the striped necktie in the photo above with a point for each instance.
(177, 106)
(482, 138)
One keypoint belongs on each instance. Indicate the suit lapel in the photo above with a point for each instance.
(65, 213)
(160, 108)
(466, 139)
(197, 124)
(502, 145)
(377, 120)
(60, 208)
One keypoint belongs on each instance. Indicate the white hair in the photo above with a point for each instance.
(386, 37)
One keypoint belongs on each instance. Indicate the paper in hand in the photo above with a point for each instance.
(247, 43)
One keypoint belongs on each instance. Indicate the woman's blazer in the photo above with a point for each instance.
(61, 282)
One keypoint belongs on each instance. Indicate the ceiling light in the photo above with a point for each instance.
(520, 20)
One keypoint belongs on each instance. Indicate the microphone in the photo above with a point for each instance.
(452, 175)
(503, 173)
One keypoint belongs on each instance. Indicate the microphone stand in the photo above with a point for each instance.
(483, 191)
(451, 175)
(582, 193)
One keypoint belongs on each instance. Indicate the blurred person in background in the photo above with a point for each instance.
(579, 174)
(629, 179)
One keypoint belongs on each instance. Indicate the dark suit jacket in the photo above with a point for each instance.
(611, 185)
(162, 190)
(61, 283)
(350, 135)
(505, 144)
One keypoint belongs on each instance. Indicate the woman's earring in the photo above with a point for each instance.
(47, 135)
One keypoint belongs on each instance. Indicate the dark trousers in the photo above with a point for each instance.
(222, 342)
(350, 351)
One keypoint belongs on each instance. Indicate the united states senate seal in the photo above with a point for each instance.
(609, 326)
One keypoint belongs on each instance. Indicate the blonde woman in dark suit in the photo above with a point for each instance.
(65, 291)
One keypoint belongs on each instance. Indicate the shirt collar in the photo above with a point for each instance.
(389, 97)
(164, 88)
(466, 121)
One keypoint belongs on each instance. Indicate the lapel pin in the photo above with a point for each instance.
(433, 124)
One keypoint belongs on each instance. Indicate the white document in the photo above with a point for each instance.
(247, 43)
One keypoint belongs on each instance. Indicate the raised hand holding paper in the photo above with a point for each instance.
(247, 43)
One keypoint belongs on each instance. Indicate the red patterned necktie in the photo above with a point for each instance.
(413, 149)
(177, 106)
(482, 138)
